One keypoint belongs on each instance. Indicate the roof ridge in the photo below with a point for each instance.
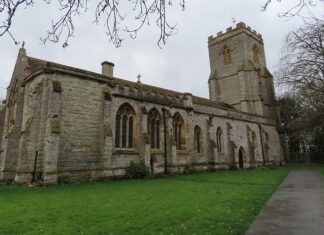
(124, 82)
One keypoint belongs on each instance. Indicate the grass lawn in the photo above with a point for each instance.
(319, 167)
(322, 169)
(206, 203)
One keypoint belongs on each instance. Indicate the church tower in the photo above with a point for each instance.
(239, 75)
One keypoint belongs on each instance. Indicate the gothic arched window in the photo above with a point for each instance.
(256, 53)
(178, 126)
(198, 139)
(154, 127)
(227, 55)
(124, 126)
(219, 140)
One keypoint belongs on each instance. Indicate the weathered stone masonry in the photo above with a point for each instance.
(62, 121)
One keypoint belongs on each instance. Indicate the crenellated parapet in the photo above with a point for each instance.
(230, 32)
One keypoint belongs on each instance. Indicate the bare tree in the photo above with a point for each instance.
(302, 64)
(110, 12)
(297, 7)
(302, 72)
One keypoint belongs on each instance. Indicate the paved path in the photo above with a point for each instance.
(297, 207)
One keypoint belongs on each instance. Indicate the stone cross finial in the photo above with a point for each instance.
(139, 83)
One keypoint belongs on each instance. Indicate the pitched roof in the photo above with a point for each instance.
(38, 64)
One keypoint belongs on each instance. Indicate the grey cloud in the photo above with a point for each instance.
(181, 65)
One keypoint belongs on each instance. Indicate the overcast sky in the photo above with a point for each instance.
(182, 64)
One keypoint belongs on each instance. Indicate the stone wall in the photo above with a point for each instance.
(13, 120)
(83, 144)
(69, 130)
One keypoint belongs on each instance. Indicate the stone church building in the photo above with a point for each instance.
(60, 121)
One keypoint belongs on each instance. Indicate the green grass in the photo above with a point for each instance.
(206, 203)
(322, 169)
(318, 167)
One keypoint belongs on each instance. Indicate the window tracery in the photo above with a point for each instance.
(256, 53)
(154, 128)
(178, 125)
(124, 126)
(227, 55)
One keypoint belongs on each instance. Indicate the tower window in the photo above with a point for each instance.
(227, 55)
(256, 53)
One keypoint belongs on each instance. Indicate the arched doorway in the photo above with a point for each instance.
(241, 157)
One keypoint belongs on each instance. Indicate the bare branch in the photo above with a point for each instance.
(8, 9)
(65, 25)
(110, 11)
(302, 66)
(296, 9)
